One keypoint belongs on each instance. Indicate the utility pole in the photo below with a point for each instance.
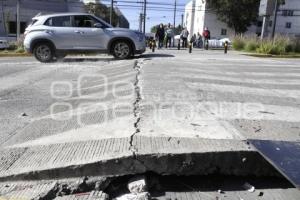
(111, 11)
(18, 19)
(174, 20)
(275, 19)
(181, 20)
(141, 22)
(175, 9)
(144, 24)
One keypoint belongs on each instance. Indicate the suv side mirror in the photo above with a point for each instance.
(98, 25)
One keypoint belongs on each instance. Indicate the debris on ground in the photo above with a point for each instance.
(248, 187)
(24, 115)
(137, 185)
(221, 192)
(261, 194)
(140, 196)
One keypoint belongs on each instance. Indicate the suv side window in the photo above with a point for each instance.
(62, 21)
(85, 21)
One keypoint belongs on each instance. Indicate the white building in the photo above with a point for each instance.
(29, 9)
(198, 16)
(288, 18)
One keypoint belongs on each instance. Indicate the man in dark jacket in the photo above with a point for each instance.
(160, 35)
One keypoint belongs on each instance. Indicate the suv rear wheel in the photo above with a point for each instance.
(43, 52)
(121, 50)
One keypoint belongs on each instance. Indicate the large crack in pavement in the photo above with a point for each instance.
(136, 104)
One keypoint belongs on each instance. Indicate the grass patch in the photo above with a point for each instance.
(14, 53)
(238, 43)
(281, 45)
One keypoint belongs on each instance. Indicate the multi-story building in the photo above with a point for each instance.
(30, 8)
(288, 18)
(198, 16)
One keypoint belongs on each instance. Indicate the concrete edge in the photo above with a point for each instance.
(239, 163)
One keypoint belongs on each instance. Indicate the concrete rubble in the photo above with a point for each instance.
(137, 187)
(79, 188)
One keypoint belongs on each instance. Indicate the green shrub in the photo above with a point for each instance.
(251, 46)
(265, 47)
(16, 45)
(238, 43)
(290, 48)
(20, 50)
(12, 46)
(297, 45)
(279, 46)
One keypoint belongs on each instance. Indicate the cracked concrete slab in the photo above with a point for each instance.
(193, 106)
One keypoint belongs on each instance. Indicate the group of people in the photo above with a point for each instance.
(166, 33)
(199, 40)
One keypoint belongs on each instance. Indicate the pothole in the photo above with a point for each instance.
(211, 187)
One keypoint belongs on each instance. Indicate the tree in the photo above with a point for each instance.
(177, 29)
(154, 28)
(102, 11)
(237, 14)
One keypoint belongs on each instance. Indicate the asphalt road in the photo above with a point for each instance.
(85, 109)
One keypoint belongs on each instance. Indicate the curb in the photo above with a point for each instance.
(15, 55)
(272, 56)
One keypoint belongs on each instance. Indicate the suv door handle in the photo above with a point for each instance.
(79, 32)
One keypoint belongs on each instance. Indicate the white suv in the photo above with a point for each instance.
(51, 37)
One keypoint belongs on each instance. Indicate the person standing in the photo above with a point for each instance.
(206, 36)
(193, 40)
(184, 35)
(160, 34)
(199, 40)
(169, 35)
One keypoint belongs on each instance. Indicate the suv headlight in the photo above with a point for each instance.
(141, 36)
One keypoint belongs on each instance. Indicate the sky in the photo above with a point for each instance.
(155, 14)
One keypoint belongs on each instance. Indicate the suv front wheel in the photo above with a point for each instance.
(121, 50)
(43, 52)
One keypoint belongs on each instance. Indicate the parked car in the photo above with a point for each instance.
(50, 37)
(3, 44)
(218, 43)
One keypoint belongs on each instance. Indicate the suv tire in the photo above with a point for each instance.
(121, 49)
(43, 52)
